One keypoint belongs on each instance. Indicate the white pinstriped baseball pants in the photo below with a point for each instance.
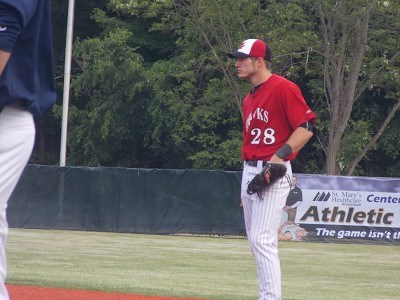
(262, 219)
(17, 136)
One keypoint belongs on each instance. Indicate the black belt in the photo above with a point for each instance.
(253, 163)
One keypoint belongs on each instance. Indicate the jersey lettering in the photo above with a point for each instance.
(261, 114)
(268, 137)
(258, 114)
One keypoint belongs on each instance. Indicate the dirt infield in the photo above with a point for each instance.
(21, 292)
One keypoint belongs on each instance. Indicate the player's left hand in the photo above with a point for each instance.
(276, 159)
(269, 174)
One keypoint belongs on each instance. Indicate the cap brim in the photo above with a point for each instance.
(236, 54)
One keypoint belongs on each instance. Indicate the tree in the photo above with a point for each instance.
(343, 54)
(208, 30)
(109, 101)
(116, 115)
(347, 51)
(190, 124)
(352, 63)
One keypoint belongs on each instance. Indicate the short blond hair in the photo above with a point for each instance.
(267, 63)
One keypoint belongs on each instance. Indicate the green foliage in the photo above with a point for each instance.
(152, 86)
(195, 128)
(110, 95)
(169, 109)
(142, 19)
(216, 121)
(357, 135)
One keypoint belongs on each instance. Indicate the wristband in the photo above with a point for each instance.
(284, 151)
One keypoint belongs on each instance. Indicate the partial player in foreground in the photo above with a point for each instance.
(277, 123)
(26, 88)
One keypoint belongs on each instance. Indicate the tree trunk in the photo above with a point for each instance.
(341, 72)
(331, 162)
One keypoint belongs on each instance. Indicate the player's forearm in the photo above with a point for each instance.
(4, 56)
(299, 138)
(296, 141)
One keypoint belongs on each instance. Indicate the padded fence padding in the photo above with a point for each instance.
(127, 200)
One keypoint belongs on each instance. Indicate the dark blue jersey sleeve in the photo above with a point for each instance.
(10, 27)
(29, 74)
(26, 9)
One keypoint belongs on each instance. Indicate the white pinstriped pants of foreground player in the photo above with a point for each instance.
(262, 217)
(17, 136)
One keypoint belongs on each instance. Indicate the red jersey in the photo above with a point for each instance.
(271, 115)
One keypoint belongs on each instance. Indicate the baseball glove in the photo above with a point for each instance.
(269, 174)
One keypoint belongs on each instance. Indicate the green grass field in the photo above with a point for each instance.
(206, 267)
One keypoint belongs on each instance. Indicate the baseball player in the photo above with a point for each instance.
(277, 123)
(294, 199)
(26, 88)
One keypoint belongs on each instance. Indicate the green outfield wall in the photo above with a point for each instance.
(152, 201)
(127, 200)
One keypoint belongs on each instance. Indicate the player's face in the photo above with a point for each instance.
(246, 67)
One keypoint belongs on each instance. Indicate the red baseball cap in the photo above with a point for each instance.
(252, 48)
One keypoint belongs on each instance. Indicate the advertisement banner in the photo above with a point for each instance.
(352, 209)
